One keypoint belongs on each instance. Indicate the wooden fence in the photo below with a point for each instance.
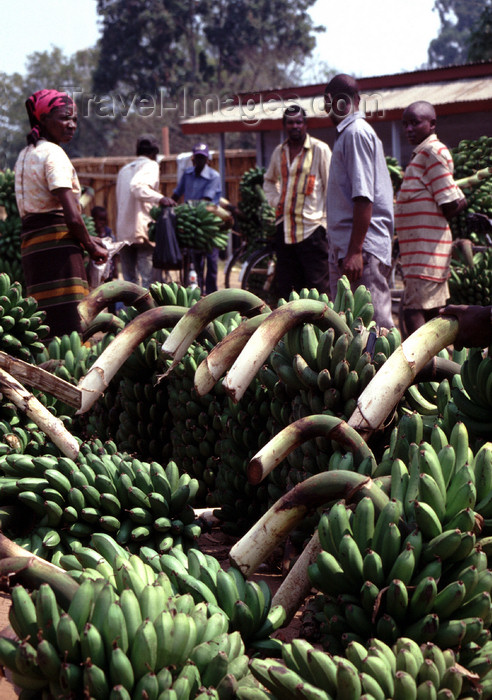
(100, 174)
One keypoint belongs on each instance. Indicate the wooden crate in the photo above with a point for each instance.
(100, 174)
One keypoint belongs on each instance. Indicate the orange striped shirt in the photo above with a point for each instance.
(423, 232)
(297, 189)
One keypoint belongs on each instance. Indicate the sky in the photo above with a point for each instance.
(362, 38)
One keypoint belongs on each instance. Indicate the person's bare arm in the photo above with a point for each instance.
(452, 209)
(474, 324)
(76, 226)
(352, 264)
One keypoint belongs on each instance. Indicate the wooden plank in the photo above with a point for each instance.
(41, 379)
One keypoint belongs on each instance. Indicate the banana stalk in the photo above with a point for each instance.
(34, 409)
(475, 179)
(300, 431)
(399, 371)
(273, 527)
(97, 379)
(15, 560)
(203, 312)
(273, 328)
(117, 290)
(104, 322)
(221, 357)
(296, 586)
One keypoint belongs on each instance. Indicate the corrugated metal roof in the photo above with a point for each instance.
(253, 111)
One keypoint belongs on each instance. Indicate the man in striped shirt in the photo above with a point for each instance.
(427, 199)
(295, 184)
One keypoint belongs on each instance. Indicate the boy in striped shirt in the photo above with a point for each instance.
(427, 200)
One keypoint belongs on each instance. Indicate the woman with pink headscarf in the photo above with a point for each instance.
(54, 236)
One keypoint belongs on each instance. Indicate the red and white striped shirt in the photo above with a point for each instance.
(423, 232)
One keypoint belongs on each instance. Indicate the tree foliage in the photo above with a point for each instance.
(480, 42)
(170, 46)
(458, 20)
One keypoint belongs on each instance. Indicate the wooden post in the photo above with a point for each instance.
(165, 140)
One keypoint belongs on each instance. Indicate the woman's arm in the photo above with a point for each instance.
(76, 226)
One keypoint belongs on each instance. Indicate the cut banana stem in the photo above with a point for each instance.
(13, 390)
(203, 312)
(33, 571)
(296, 585)
(300, 431)
(437, 369)
(266, 337)
(104, 322)
(399, 371)
(273, 527)
(476, 178)
(221, 357)
(118, 290)
(97, 379)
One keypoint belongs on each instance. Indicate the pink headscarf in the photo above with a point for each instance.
(43, 102)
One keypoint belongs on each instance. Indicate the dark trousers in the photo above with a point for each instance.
(302, 265)
(210, 283)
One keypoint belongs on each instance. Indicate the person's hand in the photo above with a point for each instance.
(352, 266)
(478, 223)
(167, 202)
(97, 252)
(474, 325)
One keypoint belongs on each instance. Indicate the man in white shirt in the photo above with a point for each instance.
(137, 191)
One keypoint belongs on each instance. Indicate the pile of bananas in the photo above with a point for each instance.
(472, 285)
(20, 435)
(246, 604)
(418, 568)
(10, 228)
(470, 156)
(403, 670)
(319, 373)
(196, 420)
(243, 431)
(105, 490)
(21, 324)
(135, 638)
(257, 217)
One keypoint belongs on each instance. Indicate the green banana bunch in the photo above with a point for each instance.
(403, 670)
(469, 156)
(10, 228)
(198, 227)
(416, 551)
(472, 285)
(105, 490)
(246, 605)
(174, 294)
(473, 395)
(21, 324)
(395, 171)
(196, 420)
(257, 217)
(101, 641)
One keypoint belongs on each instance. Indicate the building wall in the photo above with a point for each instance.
(451, 129)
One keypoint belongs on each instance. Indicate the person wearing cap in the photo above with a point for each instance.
(201, 182)
(295, 185)
(137, 191)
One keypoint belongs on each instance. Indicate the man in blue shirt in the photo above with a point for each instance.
(201, 182)
(359, 200)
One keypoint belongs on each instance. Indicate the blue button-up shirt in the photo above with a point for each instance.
(358, 169)
(206, 185)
